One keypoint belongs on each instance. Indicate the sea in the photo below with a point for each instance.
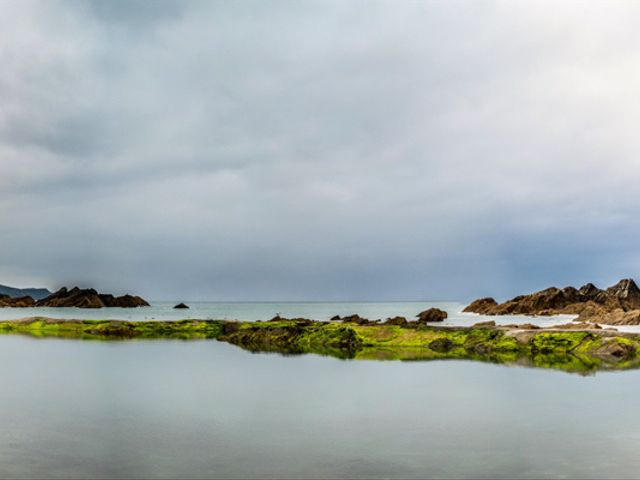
(207, 409)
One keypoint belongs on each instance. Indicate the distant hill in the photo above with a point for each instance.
(35, 293)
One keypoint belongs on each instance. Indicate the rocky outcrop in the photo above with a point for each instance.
(181, 305)
(7, 301)
(89, 298)
(432, 315)
(588, 301)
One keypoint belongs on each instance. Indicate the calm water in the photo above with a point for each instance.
(204, 409)
(267, 310)
(76, 409)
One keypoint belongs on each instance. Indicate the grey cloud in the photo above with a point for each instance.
(298, 150)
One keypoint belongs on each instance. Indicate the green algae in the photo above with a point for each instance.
(578, 351)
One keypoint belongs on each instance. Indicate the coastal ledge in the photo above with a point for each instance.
(585, 349)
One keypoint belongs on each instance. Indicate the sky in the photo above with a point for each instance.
(330, 150)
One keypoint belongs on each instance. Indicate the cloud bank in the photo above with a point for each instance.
(318, 150)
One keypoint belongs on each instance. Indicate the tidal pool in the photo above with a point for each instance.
(206, 409)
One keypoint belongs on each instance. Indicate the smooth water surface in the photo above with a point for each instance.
(205, 409)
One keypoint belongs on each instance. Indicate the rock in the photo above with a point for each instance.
(432, 315)
(588, 301)
(576, 326)
(523, 326)
(336, 317)
(616, 317)
(483, 306)
(615, 348)
(490, 323)
(357, 319)
(20, 302)
(589, 291)
(627, 291)
(181, 305)
(396, 321)
(89, 298)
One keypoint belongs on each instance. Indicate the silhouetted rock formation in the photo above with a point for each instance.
(89, 298)
(432, 315)
(181, 305)
(618, 304)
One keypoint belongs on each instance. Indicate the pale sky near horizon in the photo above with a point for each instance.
(330, 150)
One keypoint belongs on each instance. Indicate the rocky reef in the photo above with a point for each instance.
(617, 305)
(584, 350)
(89, 298)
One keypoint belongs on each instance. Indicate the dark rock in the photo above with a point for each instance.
(432, 315)
(396, 321)
(483, 306)
(181, 305)
(589, 292)
(20, 302)
(357, 319)
(89, 298)
(336, 317)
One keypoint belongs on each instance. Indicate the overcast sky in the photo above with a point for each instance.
(319, 150)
